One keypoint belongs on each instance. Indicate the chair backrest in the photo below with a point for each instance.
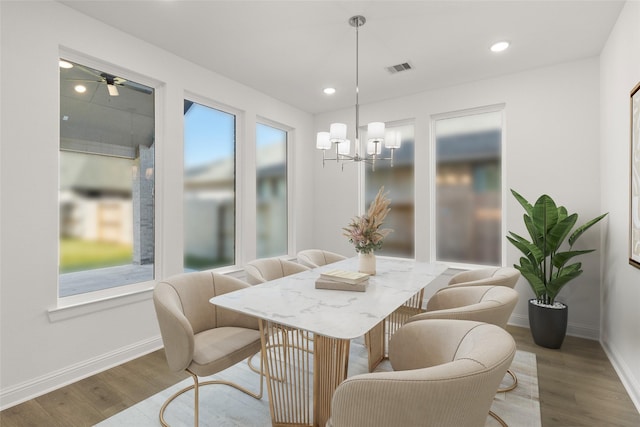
(446, 373)
(500, 276)
(265, 269)
(183, 310)
(317, 257)
(489, 304)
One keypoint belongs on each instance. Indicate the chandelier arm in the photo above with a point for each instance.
(343, 158)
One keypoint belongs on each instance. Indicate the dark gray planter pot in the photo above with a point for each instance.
(548, 325)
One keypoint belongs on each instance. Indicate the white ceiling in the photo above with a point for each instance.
(291, 50)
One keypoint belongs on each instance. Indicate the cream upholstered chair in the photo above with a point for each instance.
(199, 337)
(501, 276)
(265, 269)
(313, 258)
(490, 304)
(445, 373)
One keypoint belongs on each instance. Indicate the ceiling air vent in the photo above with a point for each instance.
(405, 66)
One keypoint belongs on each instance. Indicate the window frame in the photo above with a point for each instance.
(72, 305)
(494, 108)
(289, 182)
(362, 177)
(239, 177)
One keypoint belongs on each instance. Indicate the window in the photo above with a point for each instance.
(398, 180)
(271, 191)
(209, 187)
(106, 180)
(468, 187)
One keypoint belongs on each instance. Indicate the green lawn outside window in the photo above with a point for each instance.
(79, 255)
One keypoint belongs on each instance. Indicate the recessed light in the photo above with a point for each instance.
(65, 64)
(329, 90)
(499, 46)
(65, 118)
(80, 88)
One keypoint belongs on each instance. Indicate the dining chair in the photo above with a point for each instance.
(502, 276)
(313, 258)
(265, 269)
(499, 276)
(445, 373)
(199, 337)
(490, 304)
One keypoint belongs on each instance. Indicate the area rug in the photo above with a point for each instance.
(223, 406)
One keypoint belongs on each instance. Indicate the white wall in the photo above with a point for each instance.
(37, 353)
(552, 137)
(620, 293)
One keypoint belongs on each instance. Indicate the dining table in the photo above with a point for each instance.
(306, 332)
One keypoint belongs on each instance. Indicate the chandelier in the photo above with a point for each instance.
(375, 131)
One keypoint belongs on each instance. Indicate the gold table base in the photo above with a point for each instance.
(303, 370)
(302, 373)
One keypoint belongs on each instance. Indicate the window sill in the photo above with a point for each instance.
(106, 299)
(81, 305)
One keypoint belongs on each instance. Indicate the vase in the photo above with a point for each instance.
(367, 263)
(548, 324)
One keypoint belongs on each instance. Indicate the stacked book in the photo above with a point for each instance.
(343, 280)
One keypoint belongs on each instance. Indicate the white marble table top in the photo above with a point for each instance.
(294, 301)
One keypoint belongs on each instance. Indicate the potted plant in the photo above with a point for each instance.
(545, 264)
(365, 234)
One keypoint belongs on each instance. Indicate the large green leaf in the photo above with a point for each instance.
(544, 214)
(559, 232)
(523, 202)
(560, 259)
(524, 247)
(576, 234)
(526, 263)
(555, 285)
(536, 236)
(570, 268)
(527, 248)
(562, 213)
(537, 285)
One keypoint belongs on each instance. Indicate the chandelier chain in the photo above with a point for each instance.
(375, 130)
(358, 22)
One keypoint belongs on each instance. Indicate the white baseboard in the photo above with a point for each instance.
(583, 331)
(629, 382)
(519, 320)
(573, 329)
(11, 396)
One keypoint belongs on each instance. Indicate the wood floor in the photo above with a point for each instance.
(578, 387)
